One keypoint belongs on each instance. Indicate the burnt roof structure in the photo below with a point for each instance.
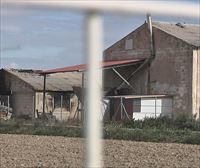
(60, 82)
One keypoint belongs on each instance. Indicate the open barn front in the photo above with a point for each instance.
(117, 67)
(59, 106)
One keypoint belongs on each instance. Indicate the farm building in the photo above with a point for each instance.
(153, 71)
(170, 55)
(25, 91)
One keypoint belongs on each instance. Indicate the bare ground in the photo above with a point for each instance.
(47, 151)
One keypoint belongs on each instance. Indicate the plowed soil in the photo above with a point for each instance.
(47, 151)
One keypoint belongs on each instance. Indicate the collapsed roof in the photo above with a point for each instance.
(60, 82)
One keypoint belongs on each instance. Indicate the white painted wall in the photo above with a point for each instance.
(151, 107)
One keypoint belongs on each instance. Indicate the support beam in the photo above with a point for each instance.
(44, 94)
(121, 105)
(122, 78)
(133, 73)
(33, 102)
(8, 104)
(155, 107)
(82, 98)
(61, 107)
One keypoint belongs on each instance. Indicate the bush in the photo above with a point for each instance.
(181, 123)
(150, 130)
(153, 135)
(37, 127)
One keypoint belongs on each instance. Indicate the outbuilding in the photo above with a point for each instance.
(26, 92)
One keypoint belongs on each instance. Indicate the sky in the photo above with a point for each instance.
(37, 38)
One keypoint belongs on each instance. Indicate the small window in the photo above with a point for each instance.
(136, 105)
(129, 44)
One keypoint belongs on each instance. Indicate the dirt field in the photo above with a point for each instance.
(42, 151)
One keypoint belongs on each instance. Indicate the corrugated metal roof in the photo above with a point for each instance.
(53, 82)
(186, 32)
(83, 67)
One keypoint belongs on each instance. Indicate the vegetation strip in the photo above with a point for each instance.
(149, 130)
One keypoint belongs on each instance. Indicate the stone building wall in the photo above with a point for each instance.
(170, 71)
(22, 98)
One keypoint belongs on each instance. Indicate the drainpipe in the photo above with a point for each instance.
(149, 22)
(152, 49)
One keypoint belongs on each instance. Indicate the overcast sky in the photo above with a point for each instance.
(43, 39)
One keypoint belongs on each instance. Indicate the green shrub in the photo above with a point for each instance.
(181, 123)
(153, 135)
(150, 130)
(37, 127)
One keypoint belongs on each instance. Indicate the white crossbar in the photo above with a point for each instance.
(128, 7)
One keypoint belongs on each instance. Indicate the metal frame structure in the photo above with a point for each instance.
(105, 65)
(94, 48)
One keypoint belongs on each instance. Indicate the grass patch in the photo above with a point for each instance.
(39, 128)
(163, 123)
(149, 130)
(153, 135)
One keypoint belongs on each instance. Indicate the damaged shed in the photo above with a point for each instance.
(26, 87)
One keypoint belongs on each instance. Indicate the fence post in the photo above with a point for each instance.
(172, 112)
(121, 103)
(61, 106)
(33, 106)
(8, 104)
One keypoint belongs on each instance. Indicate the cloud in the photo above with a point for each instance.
(10, 28)
(10, 48)
(7, 11)
(44, 38)
(12, 65)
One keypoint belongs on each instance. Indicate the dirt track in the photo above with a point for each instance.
(41, 151)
